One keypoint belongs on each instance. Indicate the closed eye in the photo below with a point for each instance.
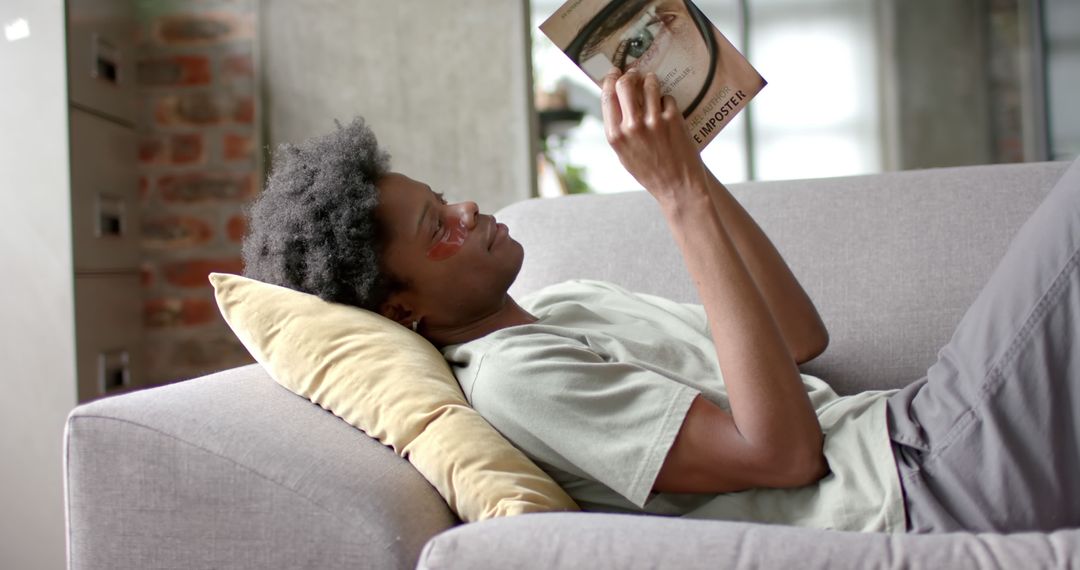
(438, 216)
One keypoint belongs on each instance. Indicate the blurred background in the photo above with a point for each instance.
(859, 86)
(136, 132)
(855, 87)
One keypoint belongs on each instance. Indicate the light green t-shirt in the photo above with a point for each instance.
(596, 391)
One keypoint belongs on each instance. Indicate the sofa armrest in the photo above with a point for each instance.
(594, 540)
(233, 471)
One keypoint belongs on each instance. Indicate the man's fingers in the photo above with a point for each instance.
(609, 105)
(668, 106)
(652, 99)
(628, 88)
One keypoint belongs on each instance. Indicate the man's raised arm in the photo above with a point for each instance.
(771, 437)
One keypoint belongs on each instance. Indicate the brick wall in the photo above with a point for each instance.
(200, 165)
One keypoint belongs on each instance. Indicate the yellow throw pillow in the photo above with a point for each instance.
(395, 386)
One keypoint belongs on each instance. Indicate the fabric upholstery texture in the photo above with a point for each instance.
(619, 542)
(233, 471)
(392, 384)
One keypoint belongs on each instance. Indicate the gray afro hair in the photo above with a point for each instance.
(313, 227)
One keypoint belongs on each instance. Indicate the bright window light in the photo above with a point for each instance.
(810, 87)
(16, 30)
(810, 156)
(819, 116)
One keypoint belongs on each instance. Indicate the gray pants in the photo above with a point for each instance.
(989, 439)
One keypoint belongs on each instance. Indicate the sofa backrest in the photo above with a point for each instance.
(891, 261)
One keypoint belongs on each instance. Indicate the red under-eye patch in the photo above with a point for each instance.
(451, 240)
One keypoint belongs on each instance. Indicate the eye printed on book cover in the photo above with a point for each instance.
(640, 39)
(641, 30)
(633, 27)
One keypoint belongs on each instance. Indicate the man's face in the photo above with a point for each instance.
(456, 262)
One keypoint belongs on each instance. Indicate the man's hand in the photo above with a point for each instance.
(648, 133)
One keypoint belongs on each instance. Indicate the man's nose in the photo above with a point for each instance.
(466, 212)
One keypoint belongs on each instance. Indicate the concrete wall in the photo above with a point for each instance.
(445, 85)
(37, 336)
(1062, 25)
(936, 83)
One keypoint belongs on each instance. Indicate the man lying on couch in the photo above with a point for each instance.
(620, 396)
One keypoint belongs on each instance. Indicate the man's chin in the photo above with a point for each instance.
(514, 269)
(519, 259)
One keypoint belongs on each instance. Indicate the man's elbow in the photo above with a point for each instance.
(801, 467)
(813, 349)
(802, 473)
(814, 467)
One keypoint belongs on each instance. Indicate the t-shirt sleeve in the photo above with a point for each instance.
(565, 405)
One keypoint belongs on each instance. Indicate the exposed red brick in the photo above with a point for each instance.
(206, 187)
(174, 71)
(244, 111)
(171, 312)
(146, 275)
(237, 147)
(203, 29)
(198, 109)
(203, 108)
(209, 353)
(151, 150)
(165, 111)
(174, 232)
(236, 228)
(240, 65)
(194, 273)
(187, 148)
(159, 312)
(144, 189)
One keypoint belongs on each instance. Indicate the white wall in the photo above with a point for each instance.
(37, 338)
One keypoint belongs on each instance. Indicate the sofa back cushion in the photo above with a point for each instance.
(891, 261)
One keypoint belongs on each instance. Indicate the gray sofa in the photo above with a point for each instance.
(233, 471)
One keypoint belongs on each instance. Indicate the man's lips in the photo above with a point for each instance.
(494, 232)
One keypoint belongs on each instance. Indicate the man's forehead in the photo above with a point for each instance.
(402, 201)
(396, 183)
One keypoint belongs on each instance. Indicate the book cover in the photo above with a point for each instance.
(708, 77)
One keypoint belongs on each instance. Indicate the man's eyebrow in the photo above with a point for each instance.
(427, 206)
(437, 195)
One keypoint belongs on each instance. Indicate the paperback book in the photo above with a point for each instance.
(709, 79)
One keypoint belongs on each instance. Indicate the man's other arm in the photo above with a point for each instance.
(800, 324)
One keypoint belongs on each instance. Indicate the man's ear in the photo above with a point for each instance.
(399, 310)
